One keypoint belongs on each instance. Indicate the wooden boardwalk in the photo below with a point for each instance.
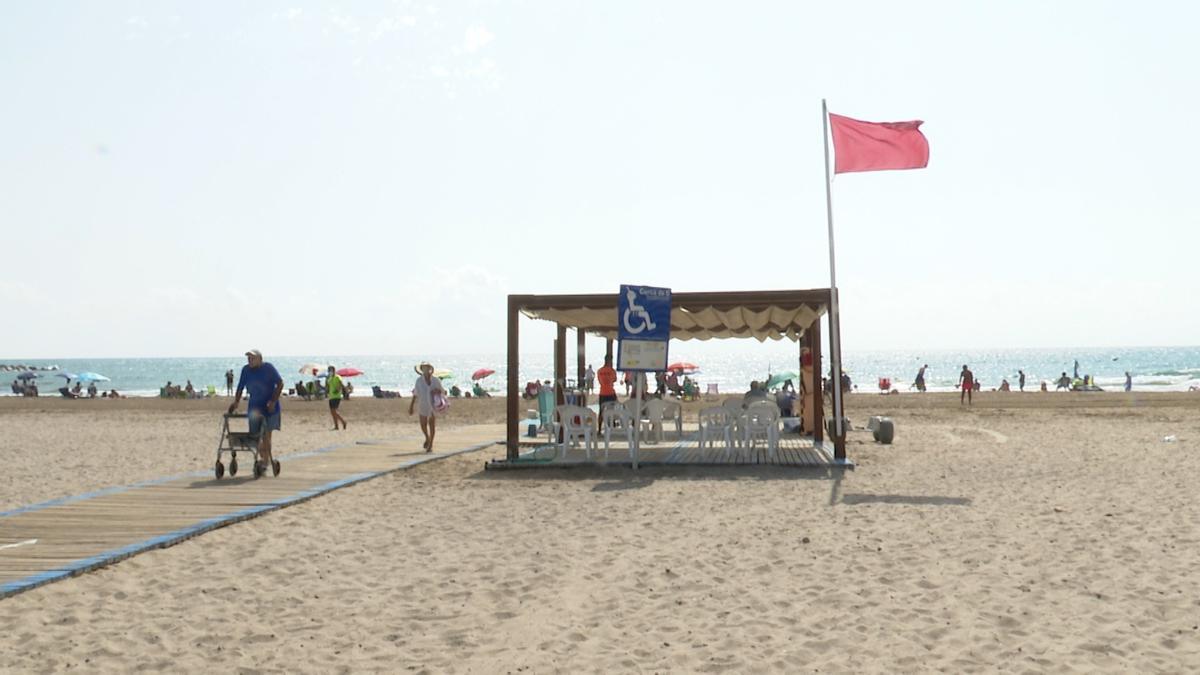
(796, 451)
(53, 540)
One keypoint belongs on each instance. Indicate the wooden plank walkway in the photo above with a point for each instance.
(53, 540)
(796, 451)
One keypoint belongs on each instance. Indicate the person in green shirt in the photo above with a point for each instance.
(333, 386)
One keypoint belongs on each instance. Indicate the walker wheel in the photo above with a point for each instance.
(259, 470)
(233, 467)
(219, 469)
(275, 467)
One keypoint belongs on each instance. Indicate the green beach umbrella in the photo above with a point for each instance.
(779, 378)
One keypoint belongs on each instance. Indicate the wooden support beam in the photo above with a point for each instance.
(560, 365)
(580, 365)
(514, 386)
(814, 346)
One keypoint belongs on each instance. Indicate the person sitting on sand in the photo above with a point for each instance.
(1044, 386)
(77, 389)
(673, 383)
(1004, 386)
(455, 392)
(479, 391)
(757, 393)
(115, 394)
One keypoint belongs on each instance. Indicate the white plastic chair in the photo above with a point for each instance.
(733, 406)
(761, 420)
(617, 418)
(674, 410)
(652, 420)
(577, 425)
(712, 390)
(715, 422)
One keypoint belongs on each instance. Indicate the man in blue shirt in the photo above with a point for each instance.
(264, 386)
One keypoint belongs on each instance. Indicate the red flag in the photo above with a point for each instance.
(877, 146)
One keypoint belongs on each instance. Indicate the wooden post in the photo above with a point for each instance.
(814, 347)
(560, 365)
(514, 392)
(608, 348)
(580, 366)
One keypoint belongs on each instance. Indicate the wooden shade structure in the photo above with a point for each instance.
(762, 315)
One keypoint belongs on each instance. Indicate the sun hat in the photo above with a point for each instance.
(423, 366)
(254, 352)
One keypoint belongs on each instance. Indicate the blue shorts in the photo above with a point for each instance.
(257, 417)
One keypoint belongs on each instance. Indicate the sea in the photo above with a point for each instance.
(731, 370)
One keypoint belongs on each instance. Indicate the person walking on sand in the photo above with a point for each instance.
(1021, 379)
(229, 382)
(424, 391)
(1128, 381)
(333, 385)
(589, 379)
(264, 385)
(966, 380)
(919, 383)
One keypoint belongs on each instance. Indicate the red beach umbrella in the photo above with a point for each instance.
(682, 365)
(481, 373)
(348, 372)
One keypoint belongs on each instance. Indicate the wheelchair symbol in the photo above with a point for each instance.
(636, 310)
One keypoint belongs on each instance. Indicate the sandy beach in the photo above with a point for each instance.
(1029, 533)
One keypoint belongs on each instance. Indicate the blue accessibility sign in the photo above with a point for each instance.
(644, 313)
(643, 327)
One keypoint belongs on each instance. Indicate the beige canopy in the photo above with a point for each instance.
(764, 315)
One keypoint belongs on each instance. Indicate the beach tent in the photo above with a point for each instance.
(762, 315)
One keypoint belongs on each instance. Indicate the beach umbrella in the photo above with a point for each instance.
(28, 375)
(349, 372)
(443, 374)
(92, 377)
(314, 369)
(779, 378)
(67, 376)
(481, 373)
(682, 366)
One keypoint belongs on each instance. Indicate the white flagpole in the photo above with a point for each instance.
(835, 338)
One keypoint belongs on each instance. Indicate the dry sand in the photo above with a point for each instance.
(1030, 533)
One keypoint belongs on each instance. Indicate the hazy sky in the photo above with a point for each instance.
(194, 178)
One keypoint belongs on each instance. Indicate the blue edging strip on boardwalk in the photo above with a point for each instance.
(171, 538)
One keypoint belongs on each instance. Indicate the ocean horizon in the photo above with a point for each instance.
(1152, 368)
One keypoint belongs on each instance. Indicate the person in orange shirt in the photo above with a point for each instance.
(607, 377)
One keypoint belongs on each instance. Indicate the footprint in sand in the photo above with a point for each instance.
(971, 433)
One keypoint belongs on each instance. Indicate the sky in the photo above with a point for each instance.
(190, 179)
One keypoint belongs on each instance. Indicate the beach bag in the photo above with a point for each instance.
(440, 402)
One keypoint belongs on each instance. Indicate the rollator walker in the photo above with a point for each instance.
(234, 442)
